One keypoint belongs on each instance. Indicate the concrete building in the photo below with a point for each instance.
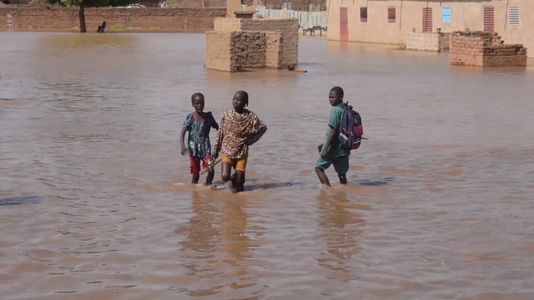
(391, 21)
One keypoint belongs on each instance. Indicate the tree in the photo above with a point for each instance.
(82, 4)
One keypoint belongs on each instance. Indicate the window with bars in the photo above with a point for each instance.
(363, 14)
(392, 15)
(446, 12)
(513, 16)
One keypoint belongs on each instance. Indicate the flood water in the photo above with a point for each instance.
(95, 200)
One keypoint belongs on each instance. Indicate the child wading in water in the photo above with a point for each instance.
(240, 128)
(198, 124)
(331, 153)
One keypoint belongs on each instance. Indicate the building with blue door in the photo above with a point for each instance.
(390, 21)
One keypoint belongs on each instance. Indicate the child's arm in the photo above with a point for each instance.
(218, 142)
(214, 124)
(260, 127)
(187, 127)
(333, 123)
(331, 136)
(182, 139)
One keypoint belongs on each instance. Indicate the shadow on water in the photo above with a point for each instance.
(375, 182)
(21, 200)
(251, 184)
(268, 186)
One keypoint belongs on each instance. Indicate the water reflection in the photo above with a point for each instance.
(340, 229)
(84, 41)
(234, 240)
(202, 233)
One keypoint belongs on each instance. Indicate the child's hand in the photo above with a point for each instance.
(184, 151)
(214, 155)
(323, 153)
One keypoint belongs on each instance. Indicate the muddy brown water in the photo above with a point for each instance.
(95, 201)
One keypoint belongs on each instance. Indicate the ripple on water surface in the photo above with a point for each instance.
(95, 200)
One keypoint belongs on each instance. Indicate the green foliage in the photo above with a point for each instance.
(117, 27)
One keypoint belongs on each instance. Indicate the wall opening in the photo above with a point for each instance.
(363, 14)
(392, 14)
(489, 19)
(427, 19)
(343, 24)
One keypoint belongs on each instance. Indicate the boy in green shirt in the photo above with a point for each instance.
(331, 154)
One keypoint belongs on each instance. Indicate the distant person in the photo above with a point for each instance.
(101, 28)
(198, 124)
(240, 129)
(293, 67)
(334, 152)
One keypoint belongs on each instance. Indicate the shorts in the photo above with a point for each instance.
(195, 163)
(239, 164)
(341, 164)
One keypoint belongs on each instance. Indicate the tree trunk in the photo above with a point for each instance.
(82, 19)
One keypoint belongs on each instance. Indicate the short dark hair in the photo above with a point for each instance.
(338, 90)
(244, 95)
(196, 95)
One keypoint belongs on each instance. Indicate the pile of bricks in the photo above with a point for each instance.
(485, 49)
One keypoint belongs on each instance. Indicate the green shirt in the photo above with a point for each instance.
(336, 116)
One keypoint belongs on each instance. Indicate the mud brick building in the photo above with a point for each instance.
(236, 44)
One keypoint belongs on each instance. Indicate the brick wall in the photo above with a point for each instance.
(485, 49)
(302, 5)
(254, 43)
(274, 49)
(141, 18)
(423, 41)
(287, 27)
(196, 4)
(445, 41)
(427, 41)
(248, 50)
(218, 51)
(237, 50)
(227, 24)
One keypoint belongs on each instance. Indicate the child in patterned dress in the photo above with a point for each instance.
(198, 124)
(240, 129)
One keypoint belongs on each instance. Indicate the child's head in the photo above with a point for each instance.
(240, 100)
(336, 96)
(197, 101)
